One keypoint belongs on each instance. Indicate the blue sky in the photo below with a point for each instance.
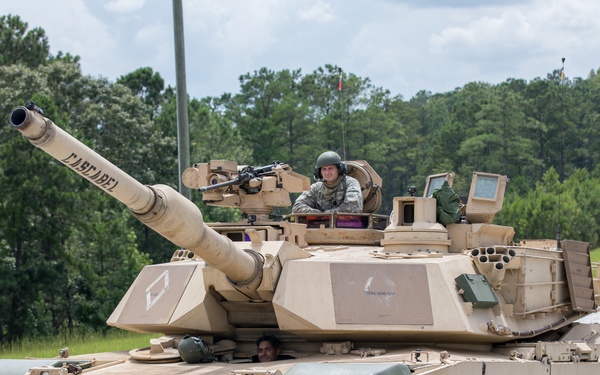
(402, 46)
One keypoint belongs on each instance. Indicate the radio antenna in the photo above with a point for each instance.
(558, 234)
(340, 86)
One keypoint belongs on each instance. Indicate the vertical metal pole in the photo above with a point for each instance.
(183, 134)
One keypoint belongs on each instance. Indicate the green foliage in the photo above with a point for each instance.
(267, 113)
(146, 84)
(571, 204)
(54, 225)
(19, 46)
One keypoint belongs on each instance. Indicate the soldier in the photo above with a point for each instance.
(333, 191)
(268, 348)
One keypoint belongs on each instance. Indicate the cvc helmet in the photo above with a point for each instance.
(329, 158)
(194, 350)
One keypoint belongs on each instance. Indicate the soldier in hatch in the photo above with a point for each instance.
(268, 348)
(333, 191)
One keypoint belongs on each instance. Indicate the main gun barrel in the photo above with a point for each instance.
(159, 206)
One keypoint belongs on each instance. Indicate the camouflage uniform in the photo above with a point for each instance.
(347, 198)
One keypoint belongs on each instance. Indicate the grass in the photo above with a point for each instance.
(78, 343)
(595, 258)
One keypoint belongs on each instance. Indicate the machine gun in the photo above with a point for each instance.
(245, 175)
(254, 190)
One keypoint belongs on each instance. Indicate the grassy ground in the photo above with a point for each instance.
(595, 257)
(78, 343)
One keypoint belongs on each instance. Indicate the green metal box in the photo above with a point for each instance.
(477, 290)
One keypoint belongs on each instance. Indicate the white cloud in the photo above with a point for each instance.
(404, 46)
(321, 12)
(234, 27)
(531, 27)
(71, 27)
(484, 37)
(520, 41)
(124, 6)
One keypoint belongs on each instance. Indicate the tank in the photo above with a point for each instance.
(345, 293)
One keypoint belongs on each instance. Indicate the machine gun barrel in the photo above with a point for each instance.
(246, 174)
(236, 181)
(159, 206)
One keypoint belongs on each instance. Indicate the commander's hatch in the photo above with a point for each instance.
(370, 184)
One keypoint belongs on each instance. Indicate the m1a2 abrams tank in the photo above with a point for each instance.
(345, 293)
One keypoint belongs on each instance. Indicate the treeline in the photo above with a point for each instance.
(68, 252)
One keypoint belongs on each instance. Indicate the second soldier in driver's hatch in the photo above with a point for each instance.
(268, 348)
(334, 191)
